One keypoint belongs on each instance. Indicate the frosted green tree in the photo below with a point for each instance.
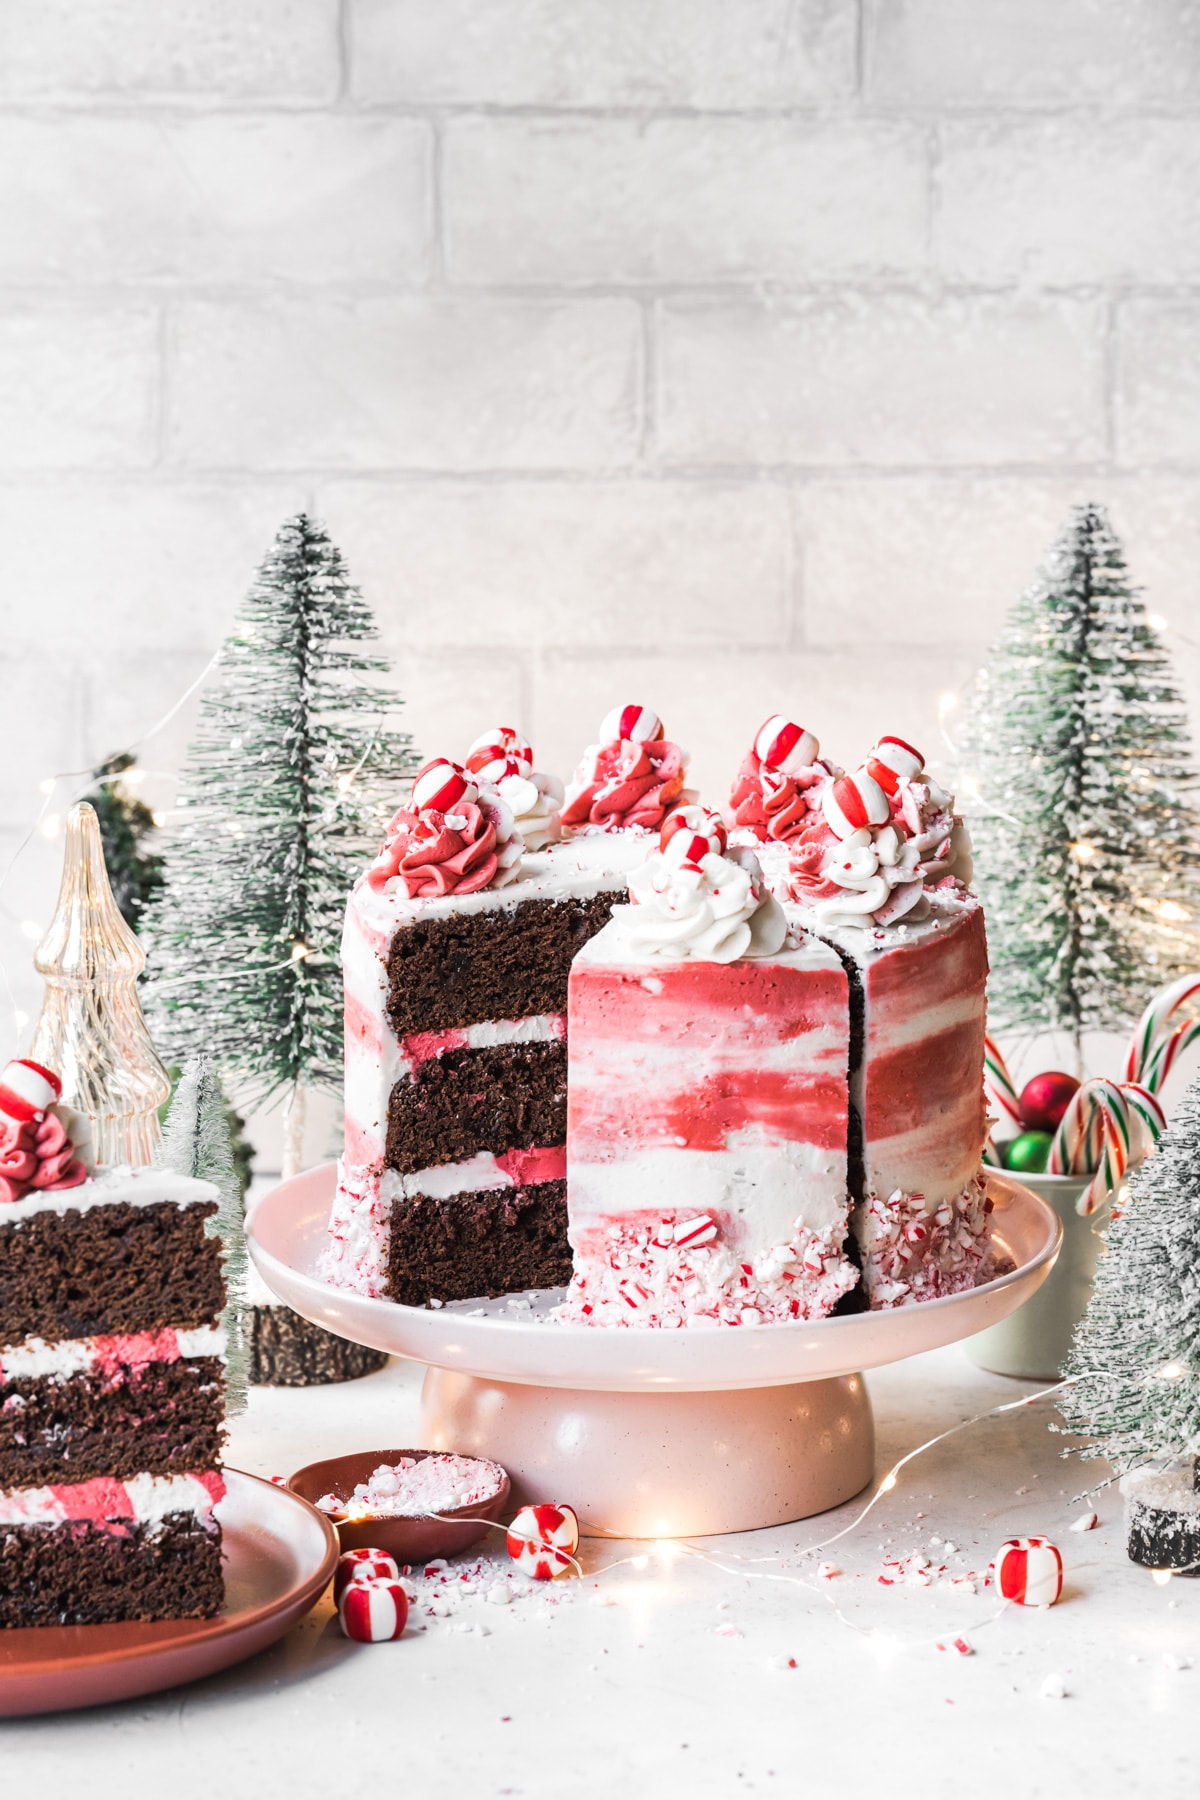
(1087, 831)
(1136, 1356)
(293, 773)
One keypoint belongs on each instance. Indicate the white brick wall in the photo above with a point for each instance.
(734, 356)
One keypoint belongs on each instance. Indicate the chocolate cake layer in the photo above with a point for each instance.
(495, 1242)
(79, 1574)
(505, 1097)
(164, 1419)
(118, 1268)
(497, 964)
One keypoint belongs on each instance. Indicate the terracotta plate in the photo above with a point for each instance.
(502, 1342)
(279, 1556)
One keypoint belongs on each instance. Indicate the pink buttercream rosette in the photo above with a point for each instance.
(37, 1156)
(627, 785)
(457, 841)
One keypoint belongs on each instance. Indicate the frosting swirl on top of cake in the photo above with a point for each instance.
(38, 1151)
(501, 761)
(779, 781)
(690, 902)
(450, 839)
(631, 779)
(881, 837)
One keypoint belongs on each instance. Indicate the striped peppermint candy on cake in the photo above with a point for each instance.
(631, 724)
(854, 803)
(28, 1091)
(893, 759)
(441, 786)
(691, 833)
(784, 746)
(497, 753)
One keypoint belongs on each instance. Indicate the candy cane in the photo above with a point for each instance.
(998, 1081)
(1164, 1053)
(1071, 1135)
(1151, 1120)
(1150, 1027)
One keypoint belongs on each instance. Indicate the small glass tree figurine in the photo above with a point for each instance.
(91, 1030)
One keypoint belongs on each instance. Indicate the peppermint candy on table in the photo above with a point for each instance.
(363, 1565)
(1029, 1570)
(696, 825)
(779, 744)
(542, 1541)
(890, 759)
(442, 785)
(691, 1233)
(636, 724)
(373, 1610)
(854, 802)
(28, 1091)
(498, 753)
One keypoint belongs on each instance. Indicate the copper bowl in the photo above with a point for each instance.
(410, 1538)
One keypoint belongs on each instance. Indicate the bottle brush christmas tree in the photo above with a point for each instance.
(1087, 832)
(292, 776)
(1135, 1362)
(127, 832)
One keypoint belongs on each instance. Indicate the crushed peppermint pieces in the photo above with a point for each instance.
(414, 1487)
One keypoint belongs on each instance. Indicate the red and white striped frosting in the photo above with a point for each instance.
(632, 724)
(782, 745)
(146, 1499)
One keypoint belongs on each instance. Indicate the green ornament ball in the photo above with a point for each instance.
(1029, 1153)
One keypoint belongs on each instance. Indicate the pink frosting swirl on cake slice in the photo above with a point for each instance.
(779, 781)
(466, 843)
(37, 1155)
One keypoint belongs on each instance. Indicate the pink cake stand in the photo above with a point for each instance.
(649, 1433)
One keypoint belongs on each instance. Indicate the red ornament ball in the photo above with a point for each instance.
(1045, 1099)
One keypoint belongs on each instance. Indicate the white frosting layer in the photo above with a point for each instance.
(113, 1187)
(716, 910)
(147, 1498)
(35, 1359)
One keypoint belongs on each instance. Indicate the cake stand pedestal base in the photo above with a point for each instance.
(651, 1465)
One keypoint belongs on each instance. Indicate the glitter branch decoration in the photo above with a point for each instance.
(288, 784)
(91, 1030)
(1087, 840)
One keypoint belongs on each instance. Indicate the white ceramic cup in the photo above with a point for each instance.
(1034, 1341)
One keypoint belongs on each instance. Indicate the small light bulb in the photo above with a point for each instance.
(1083, 851)
(1156, 622)
(134, 776)
(48, 786)
(1173, 912)
(888, 1482)
(344, 782)
(639, 1562)
(49, 826)
(1160, 1577)
(299, 952)
(1172, 1371)
(20, 1019)
(946, 704)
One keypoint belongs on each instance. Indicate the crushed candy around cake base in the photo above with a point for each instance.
(911, 1254)
(679, 1274)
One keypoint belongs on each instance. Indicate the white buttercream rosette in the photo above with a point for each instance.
(714, 910)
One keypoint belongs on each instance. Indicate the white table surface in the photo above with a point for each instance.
(672, 1678)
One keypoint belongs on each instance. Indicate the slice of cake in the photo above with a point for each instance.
(456, 952)
(708, 1102)
(880, 871)
(111, 1378)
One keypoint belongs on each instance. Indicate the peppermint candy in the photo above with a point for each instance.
(691, 1233)
(890, 759)
(1029, 1570)
(698, 826)
(28, 1091)
(498, 753)
(636, 724)
(373, 1610)
(362, 1565)
(854, 802)
(542, 1541)
(442, 785)
(779, 744)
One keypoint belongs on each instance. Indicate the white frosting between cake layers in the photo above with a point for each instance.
(113, 1187)
(34, 1359)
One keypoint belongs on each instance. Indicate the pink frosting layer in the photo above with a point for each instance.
(110, 1504)
(627, 785)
